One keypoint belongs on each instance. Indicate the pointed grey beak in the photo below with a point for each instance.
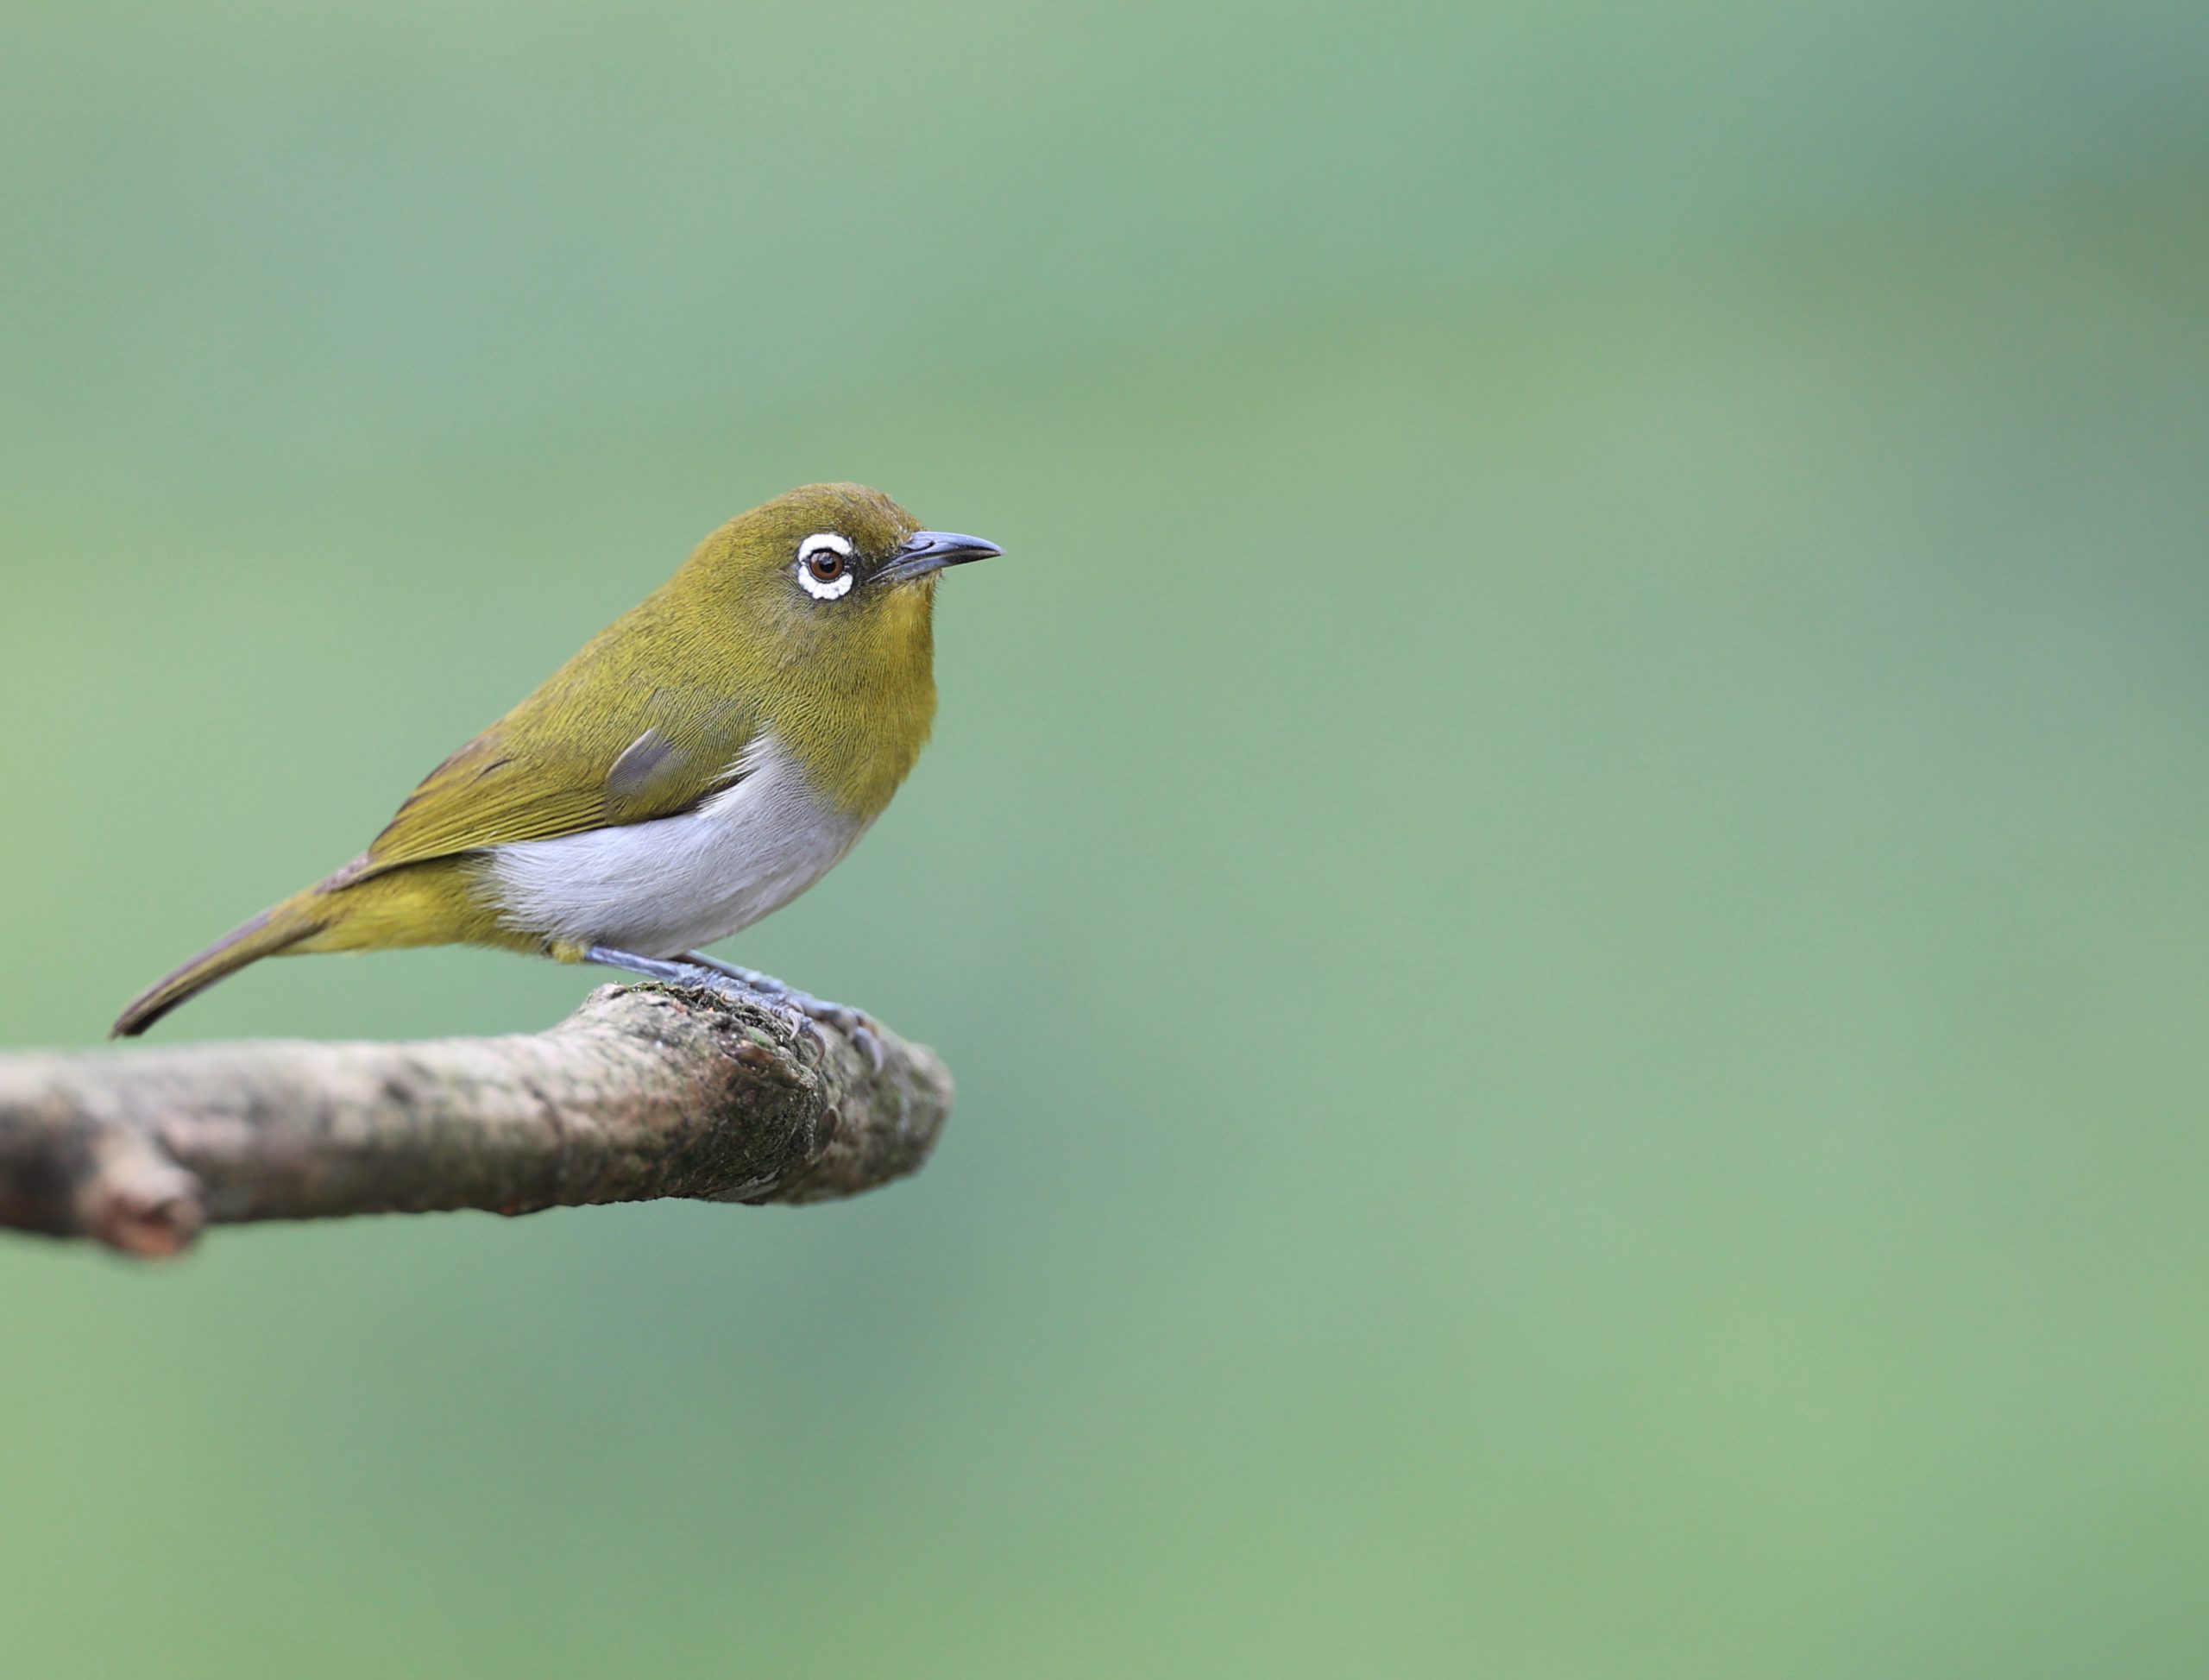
(926, 551)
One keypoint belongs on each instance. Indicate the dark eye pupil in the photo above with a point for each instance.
(827, 566)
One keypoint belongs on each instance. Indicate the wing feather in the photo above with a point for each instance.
(595, 747)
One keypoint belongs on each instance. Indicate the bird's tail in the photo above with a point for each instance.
(298, 917)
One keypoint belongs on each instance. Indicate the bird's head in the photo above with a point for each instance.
(832, 572)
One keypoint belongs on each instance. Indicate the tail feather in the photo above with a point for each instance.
(274, 930)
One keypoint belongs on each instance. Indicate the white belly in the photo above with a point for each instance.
(656, 889)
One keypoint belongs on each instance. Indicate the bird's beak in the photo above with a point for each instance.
(927, 551)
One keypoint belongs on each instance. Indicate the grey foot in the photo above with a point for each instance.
(694, 968)
(681, 973)
(857, 1023)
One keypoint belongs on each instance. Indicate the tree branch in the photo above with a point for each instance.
(644, 1092)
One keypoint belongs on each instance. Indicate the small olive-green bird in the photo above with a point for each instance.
(706, 759)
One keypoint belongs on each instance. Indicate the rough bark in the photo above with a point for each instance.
(644, 1092)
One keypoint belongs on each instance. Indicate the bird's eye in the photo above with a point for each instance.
(824, 566)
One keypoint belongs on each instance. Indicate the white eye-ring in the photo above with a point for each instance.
(824, 566)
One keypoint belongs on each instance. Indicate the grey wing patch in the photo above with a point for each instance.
(643, 762)
(656, 777)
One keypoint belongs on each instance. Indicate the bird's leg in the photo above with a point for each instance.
(842, 1017)
(679, 972)
(747, 977)
(656, 968)
(694, 969)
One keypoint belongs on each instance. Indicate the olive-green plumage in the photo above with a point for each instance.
(751, 653)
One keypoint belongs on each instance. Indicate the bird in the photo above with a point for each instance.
(699, 763)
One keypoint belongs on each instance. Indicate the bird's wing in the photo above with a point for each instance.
(598, 745)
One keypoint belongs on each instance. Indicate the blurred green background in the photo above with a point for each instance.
(1565, 875)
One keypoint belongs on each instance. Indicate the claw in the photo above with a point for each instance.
(815, 1013)
(806, 1013)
